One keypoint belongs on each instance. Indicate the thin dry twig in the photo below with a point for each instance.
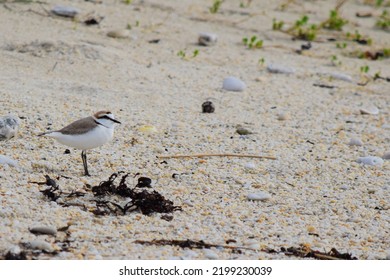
(215, 155)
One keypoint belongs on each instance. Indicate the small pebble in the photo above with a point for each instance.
(7, 160)
(259, 196)
(40, 245)
(355, 142)
(119, 33)
(386, 155)
(341, 76)
(282, 116)
(210, 254)
(65, 11)
(250, 166)
(280, 69)
(344, 187)
(44, 230)
(233, 84)
(369, 110)
(208, 107)
(147, 129)
(9, 126)
(207, 39)
(243, 131)
(370, 160)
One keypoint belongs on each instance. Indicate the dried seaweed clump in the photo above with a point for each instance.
(147, 202)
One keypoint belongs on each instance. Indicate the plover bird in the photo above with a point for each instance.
(87, 133)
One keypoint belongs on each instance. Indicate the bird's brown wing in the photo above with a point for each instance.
(79, 127)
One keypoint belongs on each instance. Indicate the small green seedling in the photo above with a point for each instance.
(183, 55)
(261, 61)
(277, 25)
(335, 21)
(342, 45)
(335, 61)
(127, 2)
(303, 30)
(364, 69)
(359, 38)
(215, 7)
(383, 21)
(253, 42)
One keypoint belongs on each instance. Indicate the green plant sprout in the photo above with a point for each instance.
(261, 61)
(334, 22)
(342, 45)
(383, 21)
(182, 54)
(215, 7)
(364, 69)
(245, 5)
(277, 25)
(335, 61)
(359, 38)
(253, 42)
(303, 30)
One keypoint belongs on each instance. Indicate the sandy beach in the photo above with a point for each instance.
(318, 110)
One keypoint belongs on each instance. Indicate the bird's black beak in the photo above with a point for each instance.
(111, 119)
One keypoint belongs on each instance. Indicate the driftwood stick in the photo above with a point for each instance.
(215, 155)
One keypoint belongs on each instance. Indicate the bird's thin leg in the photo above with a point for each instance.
(84, 158)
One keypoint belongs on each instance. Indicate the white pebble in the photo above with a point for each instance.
(355, 142)
(15, 250)
(40, 245)
(386, 155)
(233, 84)
(282, 116)
(369, 110)
(260, 196)
(44, 230)
(119, 33)
(280, 69)
(370, 160)
(207, 39)
(9, 126)
(7, 160)
(250, 166)
(210, 254)
(65, 11)
(344, 187)
(341, 76)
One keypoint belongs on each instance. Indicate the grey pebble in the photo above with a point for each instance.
(243, 131)
(210, 254)
(119, 33)
(369, 110)
(259, 196)
(65, 11)
(386, 155)
(355, 142)
(207, 39)
(280, 69)
(40, 245)
(341, 76)
(9, 126)
(370, 160)
(44, 230)
(7, 160)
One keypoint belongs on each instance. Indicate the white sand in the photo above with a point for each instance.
(55, 70)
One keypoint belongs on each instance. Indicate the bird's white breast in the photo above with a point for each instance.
(92, 139)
